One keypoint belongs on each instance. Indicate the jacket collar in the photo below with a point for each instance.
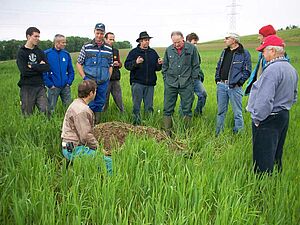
(239, 49)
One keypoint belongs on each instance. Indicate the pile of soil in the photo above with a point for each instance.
(113, 134)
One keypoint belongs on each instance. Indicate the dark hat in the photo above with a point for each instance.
(265, 31)
(143, 35)
(271, 40)
(100, 26)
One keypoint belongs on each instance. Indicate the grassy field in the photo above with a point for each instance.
(151, 184)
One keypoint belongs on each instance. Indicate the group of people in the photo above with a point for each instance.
(272, 86)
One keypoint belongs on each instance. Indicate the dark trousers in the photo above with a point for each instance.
(141, 93)
(32, 96)
(268, 140)
(186, 97)
(114, 88)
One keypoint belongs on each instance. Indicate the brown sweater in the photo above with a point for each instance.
(78, 125)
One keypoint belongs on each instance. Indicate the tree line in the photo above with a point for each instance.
(9, 49)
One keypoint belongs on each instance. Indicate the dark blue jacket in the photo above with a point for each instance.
(240, 68)
(144, 73)
(61, 69)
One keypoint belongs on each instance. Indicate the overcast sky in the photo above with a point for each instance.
(127, 18)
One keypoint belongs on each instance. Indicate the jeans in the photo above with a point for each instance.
(32, 96)
(224, 94)
(141, 93)
(268, 140)
(201, 94)
(64, 93)
(83, 151)
(97, 104)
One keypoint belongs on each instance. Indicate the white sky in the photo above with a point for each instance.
(127, 18)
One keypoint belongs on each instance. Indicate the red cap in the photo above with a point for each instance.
(272, 40)
(267, 31)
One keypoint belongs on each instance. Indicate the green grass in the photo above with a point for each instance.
(151, 184)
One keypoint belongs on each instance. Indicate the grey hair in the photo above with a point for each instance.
(176, 33)
(58, 36)
(279, 50)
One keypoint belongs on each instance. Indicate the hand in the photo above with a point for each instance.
(256, 124)
(116, 63)
(42, 62)
(160, 61)
(139, 60)
(52, 87)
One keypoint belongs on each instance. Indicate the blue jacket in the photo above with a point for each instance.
(240, 68)
(61, 69)
(144, 73)
(97, 60)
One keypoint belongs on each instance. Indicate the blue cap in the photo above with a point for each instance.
(100, 26)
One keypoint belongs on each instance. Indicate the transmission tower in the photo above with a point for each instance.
(232, 16)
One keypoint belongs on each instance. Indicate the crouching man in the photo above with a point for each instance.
(77, 130)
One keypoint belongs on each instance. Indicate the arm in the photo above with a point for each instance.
(263, 105)
(195, 64)
(80, 62)
(43, 65)
(158, 62)
(218, 68)
(246, 69)
(80, 70)
(70, 70)
(201, 74)
(165, 65)
(130, 62)
(84, 128)
(22, 64)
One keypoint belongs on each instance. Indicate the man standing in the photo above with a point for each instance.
(180, 68)
(61, 74)
(198, 83)
(233, 69)
(263, 32)
(114, 87)
(95, 62)
(77, 130)
(270, 100)
(32, 63)
(143, 62)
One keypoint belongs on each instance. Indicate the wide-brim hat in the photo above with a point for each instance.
(143, 35)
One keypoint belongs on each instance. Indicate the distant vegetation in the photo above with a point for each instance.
(8, 49)
(290, 36)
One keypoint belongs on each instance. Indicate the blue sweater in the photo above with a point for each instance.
(61, 69)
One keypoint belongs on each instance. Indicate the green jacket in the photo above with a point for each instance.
(180, 70)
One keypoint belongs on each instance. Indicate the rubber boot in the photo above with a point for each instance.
(97, 117)
(168, 125)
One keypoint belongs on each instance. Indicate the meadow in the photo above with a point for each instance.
(151, 184)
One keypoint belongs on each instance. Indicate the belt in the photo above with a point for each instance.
(225, 81)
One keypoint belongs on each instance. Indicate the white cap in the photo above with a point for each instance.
(234, 36)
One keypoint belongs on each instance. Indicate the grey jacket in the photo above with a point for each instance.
(180, 70)
(276, 90)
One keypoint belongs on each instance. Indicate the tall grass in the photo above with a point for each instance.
(151, 183)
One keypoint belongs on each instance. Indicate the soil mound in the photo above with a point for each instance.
(113, 134)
